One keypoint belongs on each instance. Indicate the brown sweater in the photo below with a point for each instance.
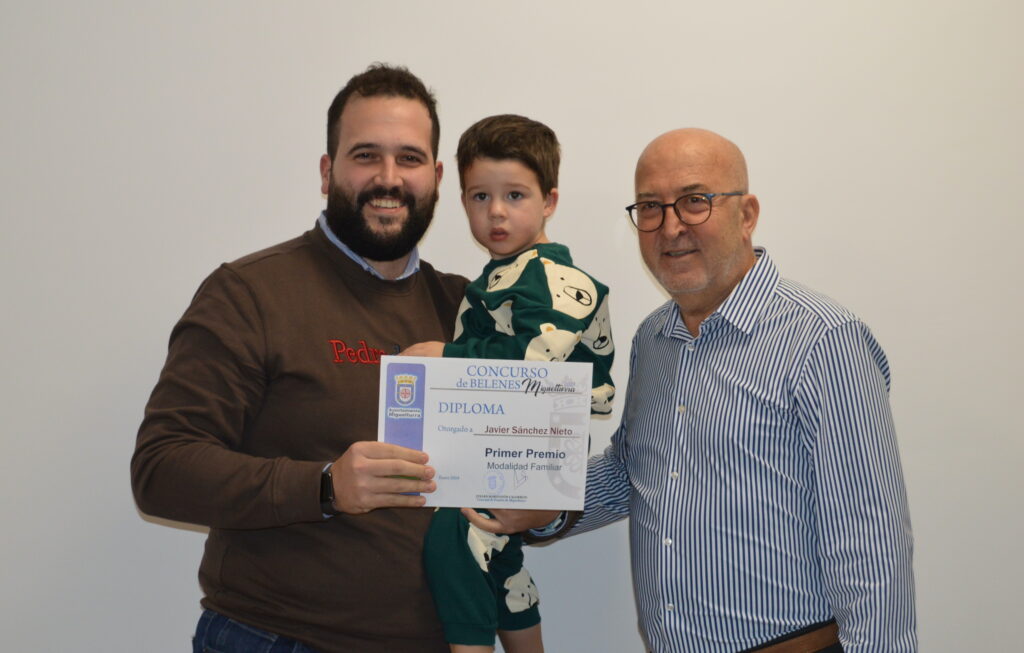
(271, 373)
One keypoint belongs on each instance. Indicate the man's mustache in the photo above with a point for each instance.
(380, 192)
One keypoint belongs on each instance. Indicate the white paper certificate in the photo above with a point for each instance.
(501, 434)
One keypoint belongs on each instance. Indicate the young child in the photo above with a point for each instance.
(529, 303)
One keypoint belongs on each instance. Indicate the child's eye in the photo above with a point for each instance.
(479, 197)
(515, 195)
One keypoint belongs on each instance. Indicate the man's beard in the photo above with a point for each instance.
(345, 218)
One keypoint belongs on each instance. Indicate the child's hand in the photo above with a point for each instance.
(431, 348)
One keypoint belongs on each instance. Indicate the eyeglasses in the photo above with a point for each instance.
(691, 209)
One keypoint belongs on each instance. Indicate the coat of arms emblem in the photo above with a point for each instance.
(405, 389)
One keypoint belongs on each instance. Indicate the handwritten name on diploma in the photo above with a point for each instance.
(527, 430)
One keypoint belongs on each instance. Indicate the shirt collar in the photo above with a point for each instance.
(745, 303)
(411, 268)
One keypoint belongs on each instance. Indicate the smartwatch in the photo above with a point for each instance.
(327, 493)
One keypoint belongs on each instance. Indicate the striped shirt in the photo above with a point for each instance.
(759, 468)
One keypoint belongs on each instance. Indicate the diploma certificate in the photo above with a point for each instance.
(501, 434)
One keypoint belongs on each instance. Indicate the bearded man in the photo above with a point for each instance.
(263, 423)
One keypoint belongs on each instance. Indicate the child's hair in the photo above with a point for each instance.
(515, 137)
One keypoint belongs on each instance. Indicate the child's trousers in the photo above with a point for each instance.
(477, 579)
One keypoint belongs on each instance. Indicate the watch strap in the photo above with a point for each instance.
(327, 492)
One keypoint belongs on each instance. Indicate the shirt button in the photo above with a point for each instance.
(673, 475)
(691, 347)
(667, 541)
(670, 607)
(681, 408)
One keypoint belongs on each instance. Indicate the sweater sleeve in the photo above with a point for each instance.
(188, 463)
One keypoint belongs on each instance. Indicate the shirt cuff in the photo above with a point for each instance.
(551, 529)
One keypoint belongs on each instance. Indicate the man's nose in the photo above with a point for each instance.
(388, 175)
(671, 225)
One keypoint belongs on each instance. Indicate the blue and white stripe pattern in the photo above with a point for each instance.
(759, 467)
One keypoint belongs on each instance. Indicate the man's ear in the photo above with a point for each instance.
(550, 202)
(751, 209)
(439, 172)
(325, 174)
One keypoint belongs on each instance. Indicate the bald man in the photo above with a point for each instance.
(756, 457)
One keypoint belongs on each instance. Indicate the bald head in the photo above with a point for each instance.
(698, 264)
(698, 151)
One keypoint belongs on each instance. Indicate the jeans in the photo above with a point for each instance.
(216, 633)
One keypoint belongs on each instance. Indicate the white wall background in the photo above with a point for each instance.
(142, 143)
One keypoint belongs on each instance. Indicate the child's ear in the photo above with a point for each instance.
(550, 202)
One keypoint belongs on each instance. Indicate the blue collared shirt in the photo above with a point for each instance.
(759, 468)
(411, 268)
